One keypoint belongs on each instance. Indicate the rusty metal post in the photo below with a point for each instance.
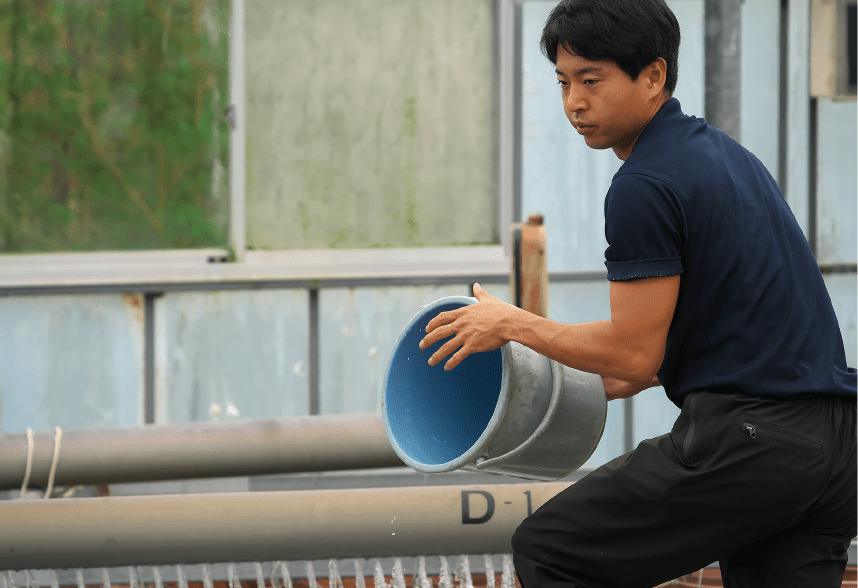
(529, 276)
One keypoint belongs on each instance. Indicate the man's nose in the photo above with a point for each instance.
(574, 102)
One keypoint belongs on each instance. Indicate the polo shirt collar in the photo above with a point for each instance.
(669, 110)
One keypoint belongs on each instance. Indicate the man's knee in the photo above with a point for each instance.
(522, 554)
(522, 540)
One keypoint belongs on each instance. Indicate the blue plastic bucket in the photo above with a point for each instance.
(509, 411)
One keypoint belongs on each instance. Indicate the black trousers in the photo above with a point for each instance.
(767, 487)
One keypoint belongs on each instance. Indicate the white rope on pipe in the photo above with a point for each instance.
(287, 579)
(507, 577)
(180, 575)
(334, 578)
(462, 577)
(380, 582)
(490, 571)
(444, 579)
(207, 578)
(422, 578)
(311, 574)
(398, 574)
(31, 447)
(31, 450)
(360, 582)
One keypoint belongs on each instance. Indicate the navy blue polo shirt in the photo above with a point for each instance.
(753, 314)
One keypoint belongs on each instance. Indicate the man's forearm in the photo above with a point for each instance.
(597, 347)
(628, 347)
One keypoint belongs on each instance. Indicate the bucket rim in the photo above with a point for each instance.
(499, 412)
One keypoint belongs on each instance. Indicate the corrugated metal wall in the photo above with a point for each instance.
(70, 361)
(231, 354)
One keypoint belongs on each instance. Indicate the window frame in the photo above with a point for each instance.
(829, 63)
(506, 49)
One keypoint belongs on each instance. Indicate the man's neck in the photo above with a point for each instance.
(623, 152)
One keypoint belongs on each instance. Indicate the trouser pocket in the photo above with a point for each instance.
(686, 428)
(768, 432)
(688, 442)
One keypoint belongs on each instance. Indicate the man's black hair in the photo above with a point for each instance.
(631, 33)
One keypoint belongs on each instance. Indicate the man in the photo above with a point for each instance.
(715, 295)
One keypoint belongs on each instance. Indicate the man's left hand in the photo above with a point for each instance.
(475, 328)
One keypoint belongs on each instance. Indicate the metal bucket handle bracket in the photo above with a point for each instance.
(553, 405)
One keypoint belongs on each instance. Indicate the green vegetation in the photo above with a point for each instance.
(112, 126)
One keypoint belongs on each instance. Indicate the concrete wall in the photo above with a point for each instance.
(370, 123)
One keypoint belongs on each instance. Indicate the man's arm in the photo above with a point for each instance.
(615, 388)
(629, 347)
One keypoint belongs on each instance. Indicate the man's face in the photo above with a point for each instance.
(603, 103)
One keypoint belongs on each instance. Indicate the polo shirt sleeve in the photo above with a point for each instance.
(644, 228)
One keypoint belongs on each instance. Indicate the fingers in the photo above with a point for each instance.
(478, 290)
(436, 335)
(441, 327)
(445, 350)
(456, 359)
(442, 318)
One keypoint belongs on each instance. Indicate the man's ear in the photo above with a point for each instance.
(656, 73)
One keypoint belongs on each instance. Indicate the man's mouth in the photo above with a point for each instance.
(582, 128)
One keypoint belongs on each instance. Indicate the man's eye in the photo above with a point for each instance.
(561, 82)
(590, 82)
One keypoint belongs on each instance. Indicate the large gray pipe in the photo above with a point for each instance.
(199, 450)
(265, 526)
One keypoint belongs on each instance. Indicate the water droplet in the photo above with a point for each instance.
(393, 533)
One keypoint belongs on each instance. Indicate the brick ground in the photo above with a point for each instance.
(712, 577)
